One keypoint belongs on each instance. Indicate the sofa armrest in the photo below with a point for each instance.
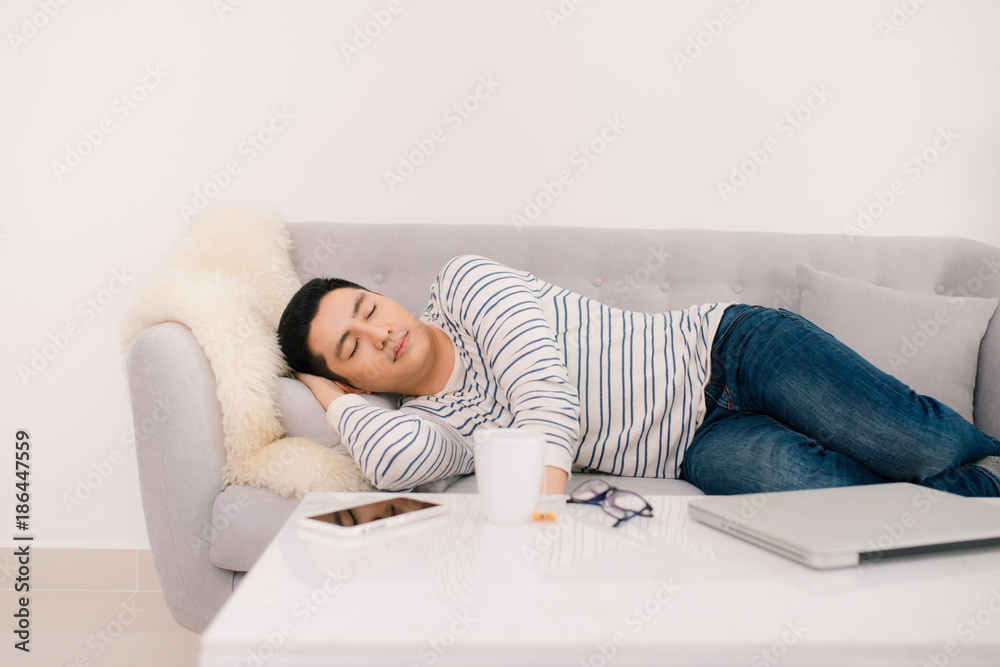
(180, 454)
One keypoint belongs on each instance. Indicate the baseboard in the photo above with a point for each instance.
(53, 569)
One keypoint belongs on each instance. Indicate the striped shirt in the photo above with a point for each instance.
(614, 391)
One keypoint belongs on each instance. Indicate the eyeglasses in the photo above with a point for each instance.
(619, 504)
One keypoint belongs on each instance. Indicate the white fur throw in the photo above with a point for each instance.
(228, 278)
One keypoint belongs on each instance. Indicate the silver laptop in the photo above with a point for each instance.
(845, 526)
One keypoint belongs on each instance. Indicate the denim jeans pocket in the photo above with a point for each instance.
(719, 393)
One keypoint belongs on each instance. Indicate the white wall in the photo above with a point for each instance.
(884, 95)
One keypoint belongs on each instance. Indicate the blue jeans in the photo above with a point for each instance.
(791, 407)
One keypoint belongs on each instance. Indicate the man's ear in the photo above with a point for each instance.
(350, 388)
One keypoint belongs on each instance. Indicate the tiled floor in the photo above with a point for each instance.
(94, 607)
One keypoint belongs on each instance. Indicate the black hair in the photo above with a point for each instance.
(293, 329)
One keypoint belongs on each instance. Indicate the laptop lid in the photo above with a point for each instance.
(844, 526)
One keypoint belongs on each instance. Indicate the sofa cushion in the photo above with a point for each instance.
(930, 342)
(244, 521)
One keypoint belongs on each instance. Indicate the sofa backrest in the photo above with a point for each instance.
(655, 270)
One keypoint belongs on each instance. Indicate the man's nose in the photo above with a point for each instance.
(379, 334)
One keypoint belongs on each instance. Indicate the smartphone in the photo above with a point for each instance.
(361, 519)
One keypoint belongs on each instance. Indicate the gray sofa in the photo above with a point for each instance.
(203, 537)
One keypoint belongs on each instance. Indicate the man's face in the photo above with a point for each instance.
(371, 341)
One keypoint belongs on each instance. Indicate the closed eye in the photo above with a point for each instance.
(357, 341)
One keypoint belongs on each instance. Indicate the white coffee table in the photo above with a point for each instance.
(659, 591)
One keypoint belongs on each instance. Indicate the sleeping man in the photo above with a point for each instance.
(733, 398)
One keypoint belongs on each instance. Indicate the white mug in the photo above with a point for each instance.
(509, 467)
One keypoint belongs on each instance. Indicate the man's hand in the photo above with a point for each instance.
(326, 391)
(554, 480)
